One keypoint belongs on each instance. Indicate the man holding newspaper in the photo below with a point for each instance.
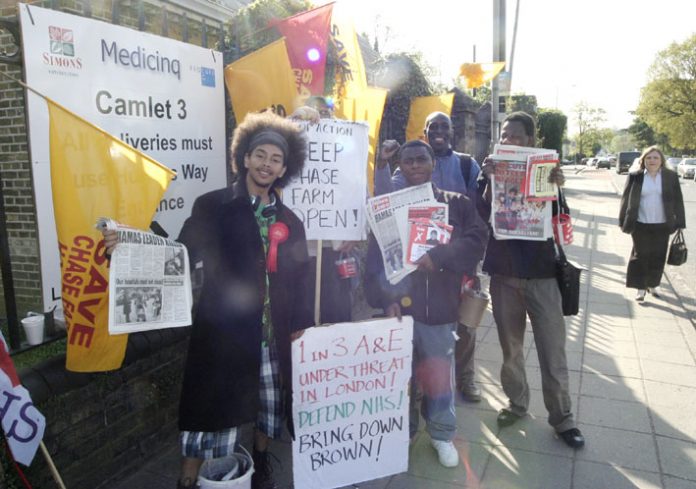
(253, 254)
(406, 275)
(520, 259)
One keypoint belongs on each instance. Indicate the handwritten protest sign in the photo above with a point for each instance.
(350, 402)
(329, 194)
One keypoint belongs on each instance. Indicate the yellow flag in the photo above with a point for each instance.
(262, 80)
(95, 175)
(422, 107)
(351, 80)
(477, 74)
(368, 107)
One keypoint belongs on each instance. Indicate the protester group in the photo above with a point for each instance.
(258, 291)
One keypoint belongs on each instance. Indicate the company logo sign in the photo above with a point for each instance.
(207, 77)
(61, 50)
(62, 41)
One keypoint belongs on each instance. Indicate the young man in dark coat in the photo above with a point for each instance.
(254, 257)
(431, 296)
(253, 254)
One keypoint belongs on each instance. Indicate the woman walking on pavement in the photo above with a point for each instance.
(652, 208)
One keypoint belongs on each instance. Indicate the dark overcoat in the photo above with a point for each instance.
(221, 378)
(671, 198)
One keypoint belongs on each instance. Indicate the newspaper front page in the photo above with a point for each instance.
(388, 218)
(513, 215)
(149, 282)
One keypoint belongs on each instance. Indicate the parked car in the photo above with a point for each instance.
(604, 163)
(625, 159)
(672, 163)
(687, 168)
(592, 162)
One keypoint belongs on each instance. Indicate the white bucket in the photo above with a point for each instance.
(227, 467)
(34, 329)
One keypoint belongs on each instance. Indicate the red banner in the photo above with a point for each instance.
(306, 37)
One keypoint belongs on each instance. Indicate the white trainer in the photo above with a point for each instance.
(447, 454)
(640, 295)
(656, 292)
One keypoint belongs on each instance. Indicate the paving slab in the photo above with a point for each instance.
(678, 457)
(627, 415)
(592, 475)
(619, 447)
(514, 468)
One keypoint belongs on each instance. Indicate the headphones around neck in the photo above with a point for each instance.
(269, 210)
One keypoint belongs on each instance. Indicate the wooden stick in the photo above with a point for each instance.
(317, 285)
(51, 465)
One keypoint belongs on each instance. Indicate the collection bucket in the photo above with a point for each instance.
(237, 469)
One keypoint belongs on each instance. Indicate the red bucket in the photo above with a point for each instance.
(562, 226)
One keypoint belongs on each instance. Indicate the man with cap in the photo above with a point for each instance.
(454, 172)
(253, 254)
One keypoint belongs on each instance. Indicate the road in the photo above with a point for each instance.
(680, 278)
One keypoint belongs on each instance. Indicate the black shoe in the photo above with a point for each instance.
(263, 472)
(573, 438)
(507, 418)
(470, 392)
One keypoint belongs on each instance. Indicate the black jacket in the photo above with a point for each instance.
(221, 378)
(671, 198)
(433, 298)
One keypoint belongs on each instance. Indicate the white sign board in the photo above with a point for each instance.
(350, 402)
(161, 96)
(329, 195)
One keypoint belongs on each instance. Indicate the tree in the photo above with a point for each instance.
(645, 135)
(522, 102)
(406, 75)
(551, 125)
(622, 141)
(668, 102)
(588, 120)
(249, 26)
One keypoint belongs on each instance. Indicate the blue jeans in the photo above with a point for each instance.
(433, 376)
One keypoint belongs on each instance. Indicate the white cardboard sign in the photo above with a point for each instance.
(350, 402)
(329, 195)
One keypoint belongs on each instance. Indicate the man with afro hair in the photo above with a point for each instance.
(253, 254)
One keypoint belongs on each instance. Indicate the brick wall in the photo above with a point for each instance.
(100, 427)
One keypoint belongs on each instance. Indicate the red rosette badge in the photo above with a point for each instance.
(278, 232)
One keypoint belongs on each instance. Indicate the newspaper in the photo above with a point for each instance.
(513, 215)
(149, 281)
(537, 186)
(387, 216)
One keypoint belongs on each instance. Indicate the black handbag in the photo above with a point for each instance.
(567, 272)
(568, 277)
(677, 250)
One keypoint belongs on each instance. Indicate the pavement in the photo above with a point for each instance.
(632, 383)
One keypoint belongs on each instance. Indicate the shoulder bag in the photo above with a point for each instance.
(677, 250)
(567, 273)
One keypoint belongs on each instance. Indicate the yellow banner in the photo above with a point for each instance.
(422, 107)
(351, 80)
(95, 175)
(477, 74)
(368, 107)
(262, 80)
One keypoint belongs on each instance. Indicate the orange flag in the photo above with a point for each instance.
(368, 107)
(477, 74)
(94, 175)
(422, 107)
(262, 80)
